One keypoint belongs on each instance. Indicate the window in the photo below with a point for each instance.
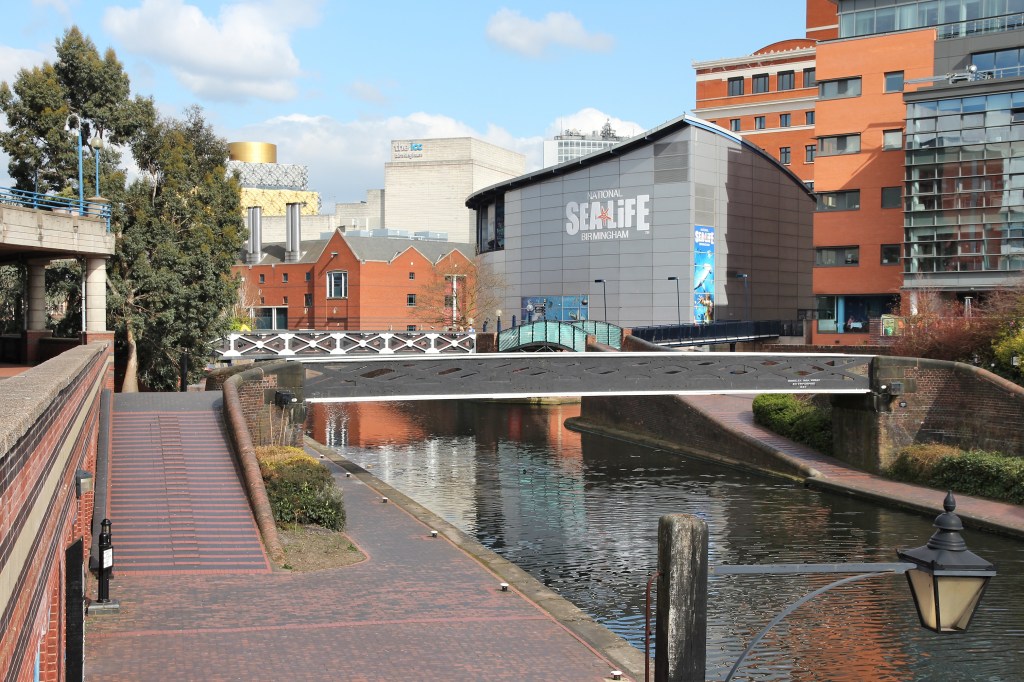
(894, 81)
(892, 139)
(735, 87)
(759, 83)
(412, 275)
(837, 256)
(809, 151)
(784, 120)
(890, 254)
(833, 145)
(759, 122)
(410, 300)
(270, 318)
(892, 197)
(848, 200)
(337, 284)
(844, 87)
(284, 278)
(809, 78)
(410, 327)
(284, 300)
(263, 278)
(307, 300)
(809, 118)
(734, 125)
(784, 155)
(787, 80)
(309, 276)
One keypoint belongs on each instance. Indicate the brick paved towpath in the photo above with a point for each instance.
(828, 473)
(418, 608)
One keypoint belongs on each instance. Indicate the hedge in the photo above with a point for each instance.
(992, 475)
(300, 488)
(797, 419)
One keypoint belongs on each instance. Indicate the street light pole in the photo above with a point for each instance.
(604, 295)
(679, 309)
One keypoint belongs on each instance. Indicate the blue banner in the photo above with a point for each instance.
(703, 274)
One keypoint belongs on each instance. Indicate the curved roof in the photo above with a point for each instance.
(784, 45)
(485, 195)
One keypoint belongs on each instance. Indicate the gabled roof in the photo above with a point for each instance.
(309, 252)
(386, 249)
(486, 195)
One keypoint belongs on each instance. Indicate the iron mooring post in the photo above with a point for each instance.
(682, 615)
(106, 562)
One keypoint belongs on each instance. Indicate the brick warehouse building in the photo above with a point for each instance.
(918, 132)
(346, 281)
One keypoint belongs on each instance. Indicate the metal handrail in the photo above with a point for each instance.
(51, 202)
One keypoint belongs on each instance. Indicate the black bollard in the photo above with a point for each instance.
(106, 562)
(184, 372)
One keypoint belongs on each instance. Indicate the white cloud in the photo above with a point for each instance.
(244, 53)
(590, 120)
(514, 32)
(346, 158)
(13, 60)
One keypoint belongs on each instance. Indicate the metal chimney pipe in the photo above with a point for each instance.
(293, 231)
(255, 244)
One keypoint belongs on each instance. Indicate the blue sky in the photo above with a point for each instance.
(331, 82)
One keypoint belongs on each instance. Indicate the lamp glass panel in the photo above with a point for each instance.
(958, 597)
(924, 597)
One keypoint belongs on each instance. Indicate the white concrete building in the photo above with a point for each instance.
(572, 144)
(426, 183)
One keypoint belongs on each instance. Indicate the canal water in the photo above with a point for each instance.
(580, 513)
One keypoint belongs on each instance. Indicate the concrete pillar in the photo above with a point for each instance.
(682, 620)
(35, 312)
(95, 295)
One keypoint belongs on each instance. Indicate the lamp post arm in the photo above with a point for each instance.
(871, 571)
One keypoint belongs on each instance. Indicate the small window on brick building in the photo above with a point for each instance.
(285, 300)
(410, 299)
(263, 278)
(307, 300)
(412, 275)
(284, 278)
(309, 276)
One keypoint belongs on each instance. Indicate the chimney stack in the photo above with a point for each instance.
(292, 232)
(254, 247)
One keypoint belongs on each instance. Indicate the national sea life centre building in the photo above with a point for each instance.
(686, 221)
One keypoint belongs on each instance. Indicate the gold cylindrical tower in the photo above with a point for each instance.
(252, 152)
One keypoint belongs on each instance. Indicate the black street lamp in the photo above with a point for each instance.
(948, 580)
(604, 295)
(679, 309)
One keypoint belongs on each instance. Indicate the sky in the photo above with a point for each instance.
(332, 82)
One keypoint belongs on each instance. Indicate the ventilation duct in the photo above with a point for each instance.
(254, 247)
(292, 232)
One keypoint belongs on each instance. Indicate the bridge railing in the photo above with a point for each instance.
(56, 204)
(719, 332)
(283, 344)
(603, 332)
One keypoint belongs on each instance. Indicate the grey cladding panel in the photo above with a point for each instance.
(663, 177)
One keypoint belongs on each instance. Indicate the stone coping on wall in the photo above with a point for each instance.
(26, 396)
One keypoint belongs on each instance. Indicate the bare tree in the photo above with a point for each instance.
(460, 294)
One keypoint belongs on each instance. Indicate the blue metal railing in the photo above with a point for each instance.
(719, 332)
(557, 333)
(57, 204)
(604, 332)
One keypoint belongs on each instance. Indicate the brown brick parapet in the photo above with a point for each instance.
(246, 453)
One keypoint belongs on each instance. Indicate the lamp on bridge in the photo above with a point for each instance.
(96, 144)
(745, 276)
(604, 295)
(498, 312)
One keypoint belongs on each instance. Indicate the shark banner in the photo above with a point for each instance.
(703, 274)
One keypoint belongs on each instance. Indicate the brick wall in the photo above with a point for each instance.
(942, 402)
(48, 432)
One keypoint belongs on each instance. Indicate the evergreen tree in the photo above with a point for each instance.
(170, 282)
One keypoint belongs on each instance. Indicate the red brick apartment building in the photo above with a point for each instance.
(913, 147)
(347, 282)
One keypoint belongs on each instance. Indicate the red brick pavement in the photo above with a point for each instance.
(418, 608)
(176, 498)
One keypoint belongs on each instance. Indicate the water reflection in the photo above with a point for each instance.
(581, 514)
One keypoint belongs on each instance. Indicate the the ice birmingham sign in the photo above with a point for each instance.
(608, 215)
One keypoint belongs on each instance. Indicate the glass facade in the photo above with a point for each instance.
(850, 314)
(964, 191)
(952, 18)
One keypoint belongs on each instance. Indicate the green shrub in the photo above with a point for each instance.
(301, 489)
(991, 475)
(800, 420)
